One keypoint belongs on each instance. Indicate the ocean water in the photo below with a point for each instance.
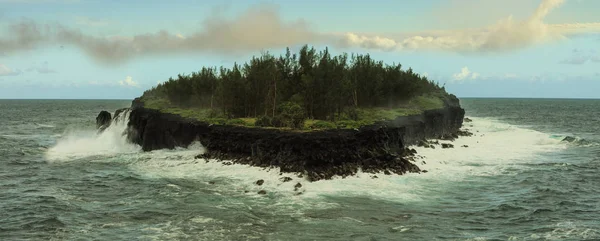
(516, 180)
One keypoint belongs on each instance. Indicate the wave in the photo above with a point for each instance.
(44, 125)
(574, 140)
(496, 149)
(85, 143)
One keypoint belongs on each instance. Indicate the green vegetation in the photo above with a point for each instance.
(308, 90)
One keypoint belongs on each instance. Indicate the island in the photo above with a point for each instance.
(310, 113)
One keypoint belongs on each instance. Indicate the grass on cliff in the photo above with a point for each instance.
(363, 116)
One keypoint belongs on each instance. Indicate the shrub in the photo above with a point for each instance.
(290, 115)
(263, 121)
(217, 121)
(351, 114)
(323, 125)
(237, 122)
(350, 124)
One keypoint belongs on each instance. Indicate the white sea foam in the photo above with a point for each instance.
(495, 149)
(44, 125)
(84, 143)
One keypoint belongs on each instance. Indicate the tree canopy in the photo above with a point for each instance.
(312, 84)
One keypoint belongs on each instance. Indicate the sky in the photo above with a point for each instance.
(109, 49)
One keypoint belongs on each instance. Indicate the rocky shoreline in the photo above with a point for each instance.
(316, 155)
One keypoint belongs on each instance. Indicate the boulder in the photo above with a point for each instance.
(447, 145)
(103, 120)
(260, 182)
(464, 133)
(285, 179)
(569, 139)
(447, 137)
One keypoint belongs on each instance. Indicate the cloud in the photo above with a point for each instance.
(465, 74)
(129, 82)
(6, 71)
(506, 34)
(259, 27)
(580, 57)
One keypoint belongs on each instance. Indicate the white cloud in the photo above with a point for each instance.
(129, 82)
(262, 27)
(6, 71)
(506, 34)
(465, 74)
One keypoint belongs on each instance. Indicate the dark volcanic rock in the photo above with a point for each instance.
(103, 120)
(468, 120)
(297, 186)
(262, 192)
(447, 145)
(118, 117)
(447, 137)
(285, 179)
(569, 139)
(465, 146)
(464, 133)
(260, 182)
(317, 154)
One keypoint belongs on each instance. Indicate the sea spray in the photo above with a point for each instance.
(88, 142)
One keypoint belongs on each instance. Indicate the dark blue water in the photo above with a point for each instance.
(516, 180)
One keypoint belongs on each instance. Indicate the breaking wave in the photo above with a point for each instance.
(85, 143)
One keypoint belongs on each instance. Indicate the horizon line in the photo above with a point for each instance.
(463, 97)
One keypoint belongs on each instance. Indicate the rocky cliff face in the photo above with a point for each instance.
(317, 154)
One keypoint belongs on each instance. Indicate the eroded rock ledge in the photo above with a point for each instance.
(380, 147)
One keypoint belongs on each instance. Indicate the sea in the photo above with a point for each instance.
(516, 178)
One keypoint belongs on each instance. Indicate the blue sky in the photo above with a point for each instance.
(115, 49)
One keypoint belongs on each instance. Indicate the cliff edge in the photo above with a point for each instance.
(380, 147)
